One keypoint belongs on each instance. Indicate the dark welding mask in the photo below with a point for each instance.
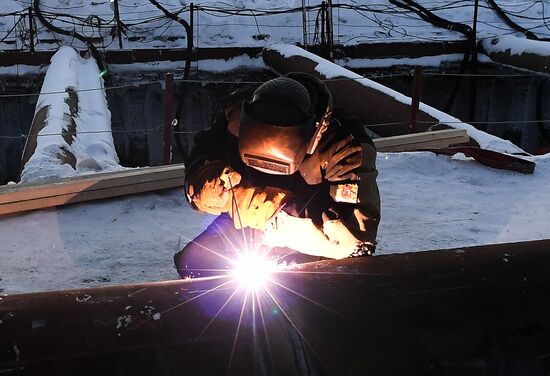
(281, 124)
(273, 148)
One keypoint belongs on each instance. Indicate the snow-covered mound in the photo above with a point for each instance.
(72, 122)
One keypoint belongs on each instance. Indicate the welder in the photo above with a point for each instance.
(285, 175)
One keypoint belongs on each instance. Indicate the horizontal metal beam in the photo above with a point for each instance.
(371, 51)
(479, 310)
(9, 58)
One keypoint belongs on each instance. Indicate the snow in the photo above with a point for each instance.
(330, 70)
(428, 202)
(90, 141)
(516, 46)
(374, 22)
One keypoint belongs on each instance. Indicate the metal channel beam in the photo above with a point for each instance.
(9, 58)
(481, 310)
(128, 56)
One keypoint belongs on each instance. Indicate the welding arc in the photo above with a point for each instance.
(86, 41)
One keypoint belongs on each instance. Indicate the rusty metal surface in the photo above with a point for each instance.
(128, 56)
(369, 105)
(481, 310)
(525, 60)
(9, 58)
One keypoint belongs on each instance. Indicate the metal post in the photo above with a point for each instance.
(323, 38)
(473, 80)
(416, 94)
(192, 17)
(168, 117)
(304, 21)
(118, 24)
(31, 30)
(330, 32)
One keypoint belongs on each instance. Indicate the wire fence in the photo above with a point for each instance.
(256, 82)
(160, 128)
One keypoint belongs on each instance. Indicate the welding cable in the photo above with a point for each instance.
(435, 20)
(503, 16)
(12, 29)
(95, 53)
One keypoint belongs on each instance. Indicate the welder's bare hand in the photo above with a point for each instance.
(254, 207)
(211, 188)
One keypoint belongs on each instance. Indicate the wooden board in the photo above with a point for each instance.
(425, 140)
(22, 197)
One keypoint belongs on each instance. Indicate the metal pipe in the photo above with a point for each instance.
(416, 95)
(479, 309)
(168, 117)
(118, 24)
(473, 79)
(31, 30)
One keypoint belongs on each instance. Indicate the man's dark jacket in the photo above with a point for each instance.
(309, 186)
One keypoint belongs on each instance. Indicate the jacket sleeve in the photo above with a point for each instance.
(356, 200)
(207, 158)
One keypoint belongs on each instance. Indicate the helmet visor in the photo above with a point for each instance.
(271, 148)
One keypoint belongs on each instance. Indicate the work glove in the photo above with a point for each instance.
(254, 207)
(334, 162)
(301, 234)
(339, 234)
(210, 188)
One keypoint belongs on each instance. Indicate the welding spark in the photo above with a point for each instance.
(252, 270)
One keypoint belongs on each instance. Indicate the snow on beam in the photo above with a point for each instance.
(518, 52)
(71, 130)
(475, 310)
(370, 101)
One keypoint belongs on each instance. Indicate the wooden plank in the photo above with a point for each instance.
(20, 192)
(425, 140)
(22, 197)
(88, 195)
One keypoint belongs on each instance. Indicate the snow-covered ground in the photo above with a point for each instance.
(428, 202)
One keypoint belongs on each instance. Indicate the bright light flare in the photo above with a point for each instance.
(253, 270)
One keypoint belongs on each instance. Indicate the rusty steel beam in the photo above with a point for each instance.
(480, 310)
(368, 104)
(9, 58)
(128, 56)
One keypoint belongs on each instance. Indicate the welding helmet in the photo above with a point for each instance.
(282, 122)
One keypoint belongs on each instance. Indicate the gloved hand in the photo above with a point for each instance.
(300, 234)
(337, 161)
(210, 188)
(338, 234)
(253, 206)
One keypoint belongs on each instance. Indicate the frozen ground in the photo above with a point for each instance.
(428, 202)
